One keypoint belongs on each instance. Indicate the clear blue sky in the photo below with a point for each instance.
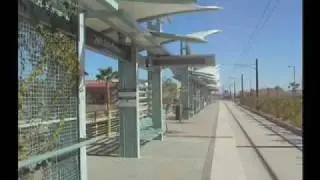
(278, 44)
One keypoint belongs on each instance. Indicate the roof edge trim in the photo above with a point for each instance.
(165, 1)
(198, 9)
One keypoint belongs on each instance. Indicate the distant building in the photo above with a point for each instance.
(97, 91)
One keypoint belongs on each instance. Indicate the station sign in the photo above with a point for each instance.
(127, 97)
(100, 43)
(183, 60)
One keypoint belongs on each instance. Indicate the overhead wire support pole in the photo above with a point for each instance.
(82, 97)
(293, 85)
(242, 85)
(234, 90)
(230, 92)
(256, 69)
(257, 78)
(257, 83)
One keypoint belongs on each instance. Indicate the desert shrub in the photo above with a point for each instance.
(285, 107)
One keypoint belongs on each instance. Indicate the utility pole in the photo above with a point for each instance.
(181, 48)
(230, 94)
(257, 79)
(257, 84)
(234, 90)
(242, 85)
(294, 86)
(294, 81)
(294, 74)
(223, 94)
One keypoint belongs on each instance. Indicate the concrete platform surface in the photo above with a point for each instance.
(186, 153)
(284, 159)
(226, 160)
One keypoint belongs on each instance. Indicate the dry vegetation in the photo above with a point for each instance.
(278, 104)
(44, 51)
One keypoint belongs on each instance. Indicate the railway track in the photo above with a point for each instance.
(271, 157)
(270, 127)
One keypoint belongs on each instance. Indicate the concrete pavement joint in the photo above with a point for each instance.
(206, 173)
(274, 131)
(264, 162)
(291, 128)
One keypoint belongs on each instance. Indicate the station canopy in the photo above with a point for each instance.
(111, 17)
(198, 37)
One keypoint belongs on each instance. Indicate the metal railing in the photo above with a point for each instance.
(101, 123)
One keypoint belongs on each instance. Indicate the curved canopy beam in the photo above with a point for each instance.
(124, 18)
(147, 11)
(197, 37)
(166, 10)
(205, 34)
(207, 80)
(166, 38)
(165, 1)
(204, 79)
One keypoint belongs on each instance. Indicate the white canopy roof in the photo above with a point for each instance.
(198, 37)
(124, 18)
(110, 17)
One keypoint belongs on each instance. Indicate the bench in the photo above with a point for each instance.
(147, 131)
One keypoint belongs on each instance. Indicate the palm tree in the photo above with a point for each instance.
(278, 89)
(169, 90)
(107, 75)
(294, 86)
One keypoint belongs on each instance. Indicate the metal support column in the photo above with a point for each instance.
(155, 27)
(155, 79)
(149, 93)
(207, 97)
(191, 98)
(198, 98)
(128, 106)
(157, 100)
(202, 98)
(185, 98)
(194, 99)
(82, 97)
(185, 84)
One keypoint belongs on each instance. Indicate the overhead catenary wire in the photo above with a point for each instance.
(264, 18)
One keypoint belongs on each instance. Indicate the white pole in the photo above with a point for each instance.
(82, 97)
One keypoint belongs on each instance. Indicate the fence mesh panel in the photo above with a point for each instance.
(48, 100)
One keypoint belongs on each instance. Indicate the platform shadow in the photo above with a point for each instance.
(200, 137)
(267, 147)
(179, 122)
(109, 147)
(291, 140)
(173, 132)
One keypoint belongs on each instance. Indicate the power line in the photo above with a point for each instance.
(256, 30)
(265, 22)
(269, 15)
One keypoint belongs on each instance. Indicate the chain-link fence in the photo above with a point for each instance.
(48, 99)
(144, 100)
(109, 125)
